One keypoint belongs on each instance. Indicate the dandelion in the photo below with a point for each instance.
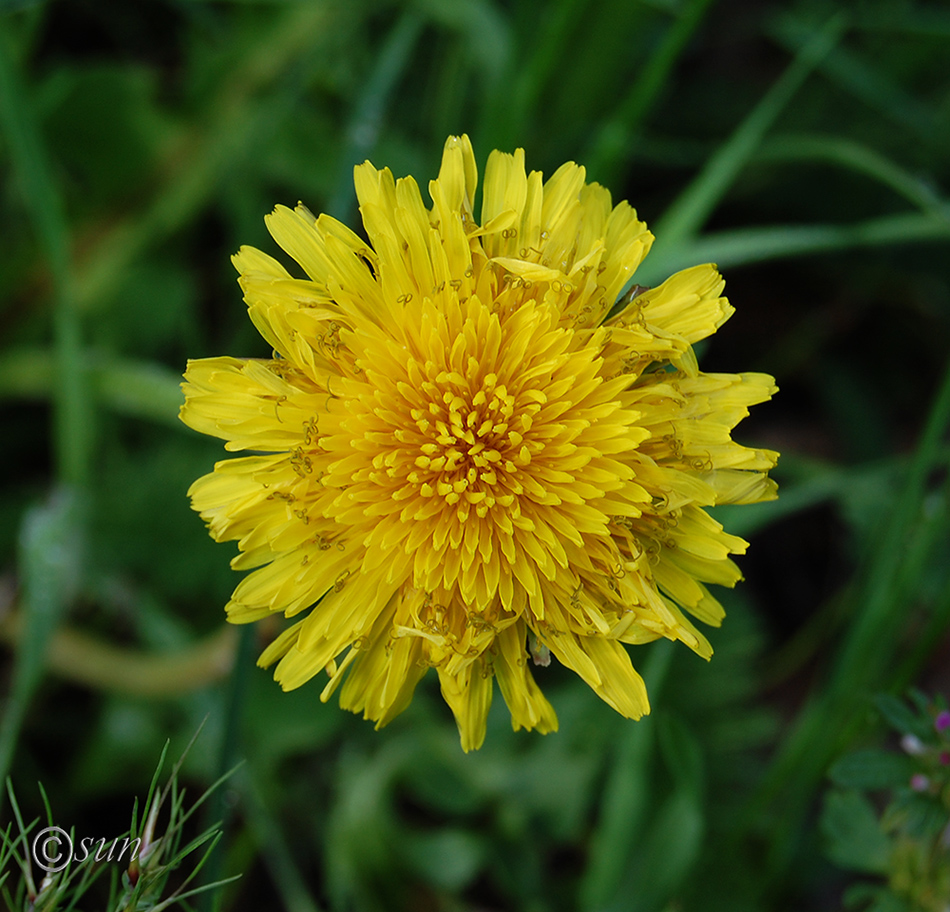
(464, 457)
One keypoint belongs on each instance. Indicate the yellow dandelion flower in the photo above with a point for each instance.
(462, 456)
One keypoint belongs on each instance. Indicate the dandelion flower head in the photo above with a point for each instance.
(461, 458)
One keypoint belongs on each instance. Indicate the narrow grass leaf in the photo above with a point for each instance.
(368, 113)
(233, 701)
(898, 19)
(274, 848)
(672, 842)
(483, 27)
(508, 106)
(866, 80)
(881, 610)
(72, 412)
(857, 157)
(261, 88)
(926, 642)
(50, 561)
(610, 149)
(755, 245)
(832, 714)
(693, 207)
(747, 520)
(138, 389)
(626, 795)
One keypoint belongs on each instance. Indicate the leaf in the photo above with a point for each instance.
(871, 769)
(853, 838)
(861, 893)
(670, 848)
(682, 753)
(134, 387)
(449, 858)
(888, 902)
(918, 816)
(900, 717)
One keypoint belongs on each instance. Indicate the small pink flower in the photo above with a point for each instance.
(919, 782)
(945, 758)
(942, 722)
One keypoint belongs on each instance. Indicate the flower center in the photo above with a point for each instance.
(471, 444)
(468, 437)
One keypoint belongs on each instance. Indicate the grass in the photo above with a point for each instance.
(801, 145)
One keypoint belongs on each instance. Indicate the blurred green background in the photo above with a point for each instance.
(802, 145)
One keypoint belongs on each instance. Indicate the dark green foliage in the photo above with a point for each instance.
(907, 843)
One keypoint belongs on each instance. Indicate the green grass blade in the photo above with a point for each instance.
(898, 19)
(236, 118)
(755, 245)
(893, 561)
(926, 643)
(805, 484)
(50, 561)
(830, 716)
(138, 389)
(203, 889)
(23, 831)
(507, 108)
(72, 412)
(864, 80)
(862, 159)
(369, 112)
(749, 519)
(610, 148)
(274, 848)
(626, 796)
(693, 207)
(233, 700)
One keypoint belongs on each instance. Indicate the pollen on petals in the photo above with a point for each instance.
(463, 457)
